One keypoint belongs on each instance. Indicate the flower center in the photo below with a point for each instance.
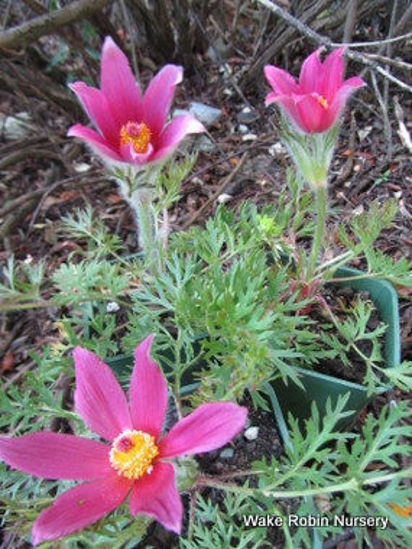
(136, 133)
(132, 453)
(323, 102)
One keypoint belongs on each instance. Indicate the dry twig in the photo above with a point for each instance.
(45, 24)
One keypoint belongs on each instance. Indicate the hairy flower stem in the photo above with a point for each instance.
(141, 202)
(321, 201)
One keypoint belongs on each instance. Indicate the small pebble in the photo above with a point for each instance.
(276, 148)
(251, 433)
(112, 307)
(243, 128)
(15, 127)
(249, 137)
(363, 133)
(227, 453)
(81, 167)
(223, 198)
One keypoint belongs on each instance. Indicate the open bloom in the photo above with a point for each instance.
(315, 102)
(131, 128)
(133, 461)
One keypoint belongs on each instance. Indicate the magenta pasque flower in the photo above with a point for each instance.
(133, 461)
(132, 128)
(315, 102)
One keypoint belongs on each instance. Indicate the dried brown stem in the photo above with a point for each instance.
(29, 31)
(350, 20)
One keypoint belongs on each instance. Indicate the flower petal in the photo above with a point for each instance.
(95, 141)
(148, 391)
(156, 495)
(175, 132)
(311, 73)
(56, 456)
(288, 105)
(98, 109)
(119, 85)
(158, 97)
(312, 114)
(79, 507)
(132, 157)
(281, 81)
(349, 86)
(210, 426)
(332, 74)
(98, 398)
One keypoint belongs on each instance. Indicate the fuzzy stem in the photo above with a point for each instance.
(318, 236)
(141, 203)
(136, 188)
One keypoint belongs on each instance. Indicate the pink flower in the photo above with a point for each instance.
(314, 104)
(137, 460)
(131, 128)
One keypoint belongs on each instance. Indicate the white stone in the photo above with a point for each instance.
(251, 433)
(15, 127)
(249, 137)
(227, 453)
(276, 148)
(81, 167)
(363, 133)
(224, 197)
(112, 307)
(243, 128)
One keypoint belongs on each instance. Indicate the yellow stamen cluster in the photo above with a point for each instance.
(132, 453)
(323, 102)
(136, 133)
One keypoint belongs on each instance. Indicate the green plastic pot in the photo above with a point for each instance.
(318, 387)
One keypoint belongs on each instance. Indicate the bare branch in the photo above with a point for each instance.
(39, 26)
(350, 21)
(372, 44)
(389, 61)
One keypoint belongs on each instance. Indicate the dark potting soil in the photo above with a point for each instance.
(238, 455)
(340, 301)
